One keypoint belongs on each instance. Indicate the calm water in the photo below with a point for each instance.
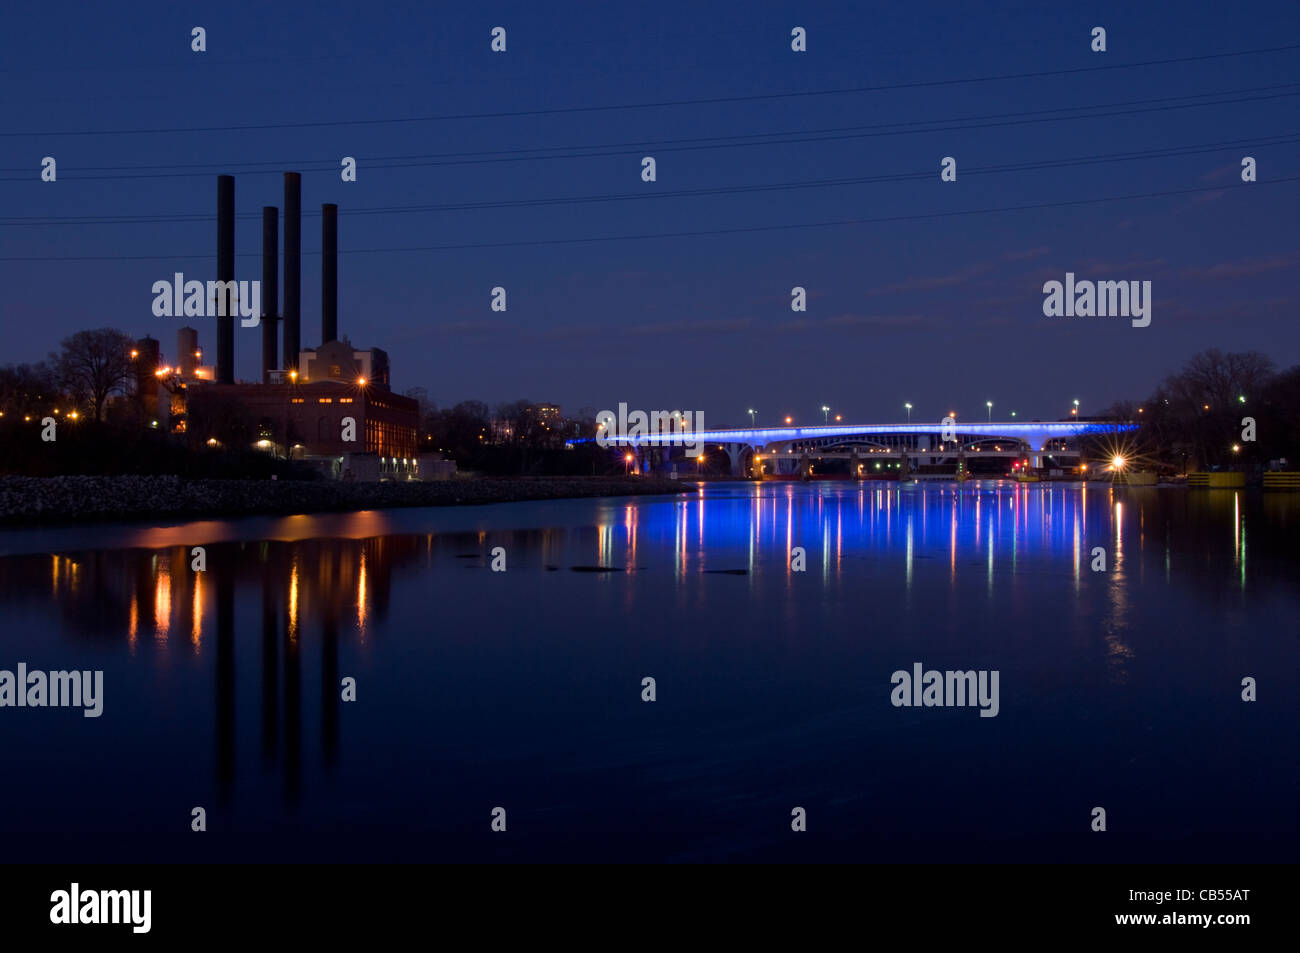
(522, 689)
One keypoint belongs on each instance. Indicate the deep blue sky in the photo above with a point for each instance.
(944, 312)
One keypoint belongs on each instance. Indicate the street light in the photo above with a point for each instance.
(789, 420)
(989, 405)
(1075, 411)
(909, 412)
(751, 416)
(826, 414)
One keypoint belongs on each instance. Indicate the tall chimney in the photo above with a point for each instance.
(329, 273)
(292, 267)
(226, 272)
(270, 287)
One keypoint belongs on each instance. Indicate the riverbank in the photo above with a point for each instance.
(28, 500)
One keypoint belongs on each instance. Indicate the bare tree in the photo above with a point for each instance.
(28, 388)
(94, 364)
(1198, 410)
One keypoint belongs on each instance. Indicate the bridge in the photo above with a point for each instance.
(779, 449)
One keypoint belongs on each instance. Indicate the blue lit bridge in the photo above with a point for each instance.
(790, 451)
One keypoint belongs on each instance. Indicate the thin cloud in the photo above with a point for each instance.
(1026, 254)
(952, 280)
(1244, 268)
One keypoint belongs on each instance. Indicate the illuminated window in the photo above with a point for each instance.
(324, 400)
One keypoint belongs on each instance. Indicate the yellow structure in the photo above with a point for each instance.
(1282, 480)
(1216, 481)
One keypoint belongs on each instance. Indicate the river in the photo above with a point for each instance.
(1119, 688)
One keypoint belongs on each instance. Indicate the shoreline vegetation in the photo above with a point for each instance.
(73, 499)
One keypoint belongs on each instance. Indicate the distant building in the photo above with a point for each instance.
(546, 413)
(302, 417)
(340, 361)
(309, 421)
(331, 404)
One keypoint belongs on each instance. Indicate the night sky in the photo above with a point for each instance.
(940, 309)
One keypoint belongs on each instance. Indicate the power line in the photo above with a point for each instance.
(683, 234)
(1163, 152)
(701, 143)
(279, 164)
(714, 100)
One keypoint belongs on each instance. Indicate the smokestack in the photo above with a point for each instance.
(292, 267)
(187, 351)
(329, 273)
(270, 287)
(226, 272)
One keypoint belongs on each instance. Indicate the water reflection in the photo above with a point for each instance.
(943, 567)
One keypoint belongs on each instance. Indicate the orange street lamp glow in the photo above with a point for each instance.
(1117, 462)
(789, 420)
(361, 382)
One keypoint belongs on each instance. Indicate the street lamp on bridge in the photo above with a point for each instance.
(751, 416)
(1075, 411)
(826, 414)
(909, 412)
(989, 405)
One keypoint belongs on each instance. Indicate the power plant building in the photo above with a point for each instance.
(331, 404)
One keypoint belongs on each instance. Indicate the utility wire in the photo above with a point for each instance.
(1164, 152)
(714, 100)
(331, 167)
(331, 163)
(680, 234)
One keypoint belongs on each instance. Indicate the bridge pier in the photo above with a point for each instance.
(736, 454)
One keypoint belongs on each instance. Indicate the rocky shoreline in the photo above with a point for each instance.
(64, 499)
